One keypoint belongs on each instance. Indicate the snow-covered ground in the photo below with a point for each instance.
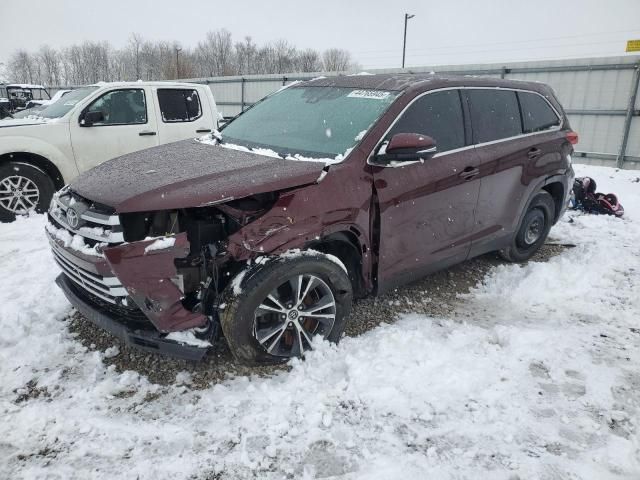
(535, 376)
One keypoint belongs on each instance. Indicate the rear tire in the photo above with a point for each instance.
(533, 229)
(23, 188)
(267, 318)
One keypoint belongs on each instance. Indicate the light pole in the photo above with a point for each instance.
(404, 44)
(178, 50)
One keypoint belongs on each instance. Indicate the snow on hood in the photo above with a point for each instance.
(189, 174)
(21, 122)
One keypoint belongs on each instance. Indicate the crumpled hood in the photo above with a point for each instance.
(189, 174)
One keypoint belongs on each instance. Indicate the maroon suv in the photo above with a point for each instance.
(327, 190)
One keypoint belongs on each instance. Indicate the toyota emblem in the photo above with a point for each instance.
(73, 218)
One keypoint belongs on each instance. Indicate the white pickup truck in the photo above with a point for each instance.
(92, 124)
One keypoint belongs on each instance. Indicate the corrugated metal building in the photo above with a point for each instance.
(599, 95)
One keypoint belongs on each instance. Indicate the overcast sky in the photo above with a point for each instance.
(442, 32)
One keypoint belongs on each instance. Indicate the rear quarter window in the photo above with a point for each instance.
(494, 114)
(179, 105)
(537, 114)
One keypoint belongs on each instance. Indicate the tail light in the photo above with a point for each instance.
(572, 137)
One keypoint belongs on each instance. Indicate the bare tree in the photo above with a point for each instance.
(21, 67)
(309, 61)
(336, 60)
(245, 55)
(135, 42)
(284, 56)
(50, 61)
(216, 55)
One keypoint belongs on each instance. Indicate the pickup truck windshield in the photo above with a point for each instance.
(66, 103)
(317, 122)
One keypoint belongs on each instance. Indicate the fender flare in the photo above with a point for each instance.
(18, 144)
(538, 186)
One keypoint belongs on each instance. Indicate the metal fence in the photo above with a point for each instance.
(600, 96)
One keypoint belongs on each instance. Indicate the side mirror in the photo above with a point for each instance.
(89, 118)
(406, 147)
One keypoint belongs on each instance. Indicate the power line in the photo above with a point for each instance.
(471, 51)
(501, 43)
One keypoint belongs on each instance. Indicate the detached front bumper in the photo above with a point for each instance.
(128, 291)
(148, 340)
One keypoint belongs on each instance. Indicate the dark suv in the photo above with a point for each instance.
(330, 189)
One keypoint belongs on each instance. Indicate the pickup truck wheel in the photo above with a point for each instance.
(23, 188)
(533, 231)
(281, 305)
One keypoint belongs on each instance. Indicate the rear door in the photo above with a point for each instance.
(182, 113)
(129, 125)
(515, 150)
(427, 209)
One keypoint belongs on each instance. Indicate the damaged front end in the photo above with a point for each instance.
(147, 276)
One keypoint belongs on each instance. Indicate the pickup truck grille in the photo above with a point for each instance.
(82, 217)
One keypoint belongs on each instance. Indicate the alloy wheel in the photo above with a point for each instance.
(294, 312)
(18, 194)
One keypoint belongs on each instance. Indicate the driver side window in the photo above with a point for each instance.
(438, 115)
(121, 107)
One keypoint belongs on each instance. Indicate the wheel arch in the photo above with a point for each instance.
(37, 161)
(556, 189)
(346, 247)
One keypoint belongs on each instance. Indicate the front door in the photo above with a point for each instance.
(427, 209)
(128, 125)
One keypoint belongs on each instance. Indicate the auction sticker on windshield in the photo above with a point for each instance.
(375, 94)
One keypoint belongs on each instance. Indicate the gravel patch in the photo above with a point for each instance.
(435, 295)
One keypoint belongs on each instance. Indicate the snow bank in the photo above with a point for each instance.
(535, 375)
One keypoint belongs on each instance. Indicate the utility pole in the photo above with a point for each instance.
(404, 44)
(178, 50)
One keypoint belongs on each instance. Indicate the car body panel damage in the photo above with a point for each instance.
(306, 216)
(424, 181)
(189, 174)
(149, 276)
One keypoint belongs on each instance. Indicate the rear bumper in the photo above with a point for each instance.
(147, 340)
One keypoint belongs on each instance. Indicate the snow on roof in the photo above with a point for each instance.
(138, 83)
(25, 85)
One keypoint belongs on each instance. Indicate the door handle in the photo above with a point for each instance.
(203, 130)
(469, 172)
(145, 133)
(534, 153)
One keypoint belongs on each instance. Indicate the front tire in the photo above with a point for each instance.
(274, 312)
(533, 229)
(23, 188)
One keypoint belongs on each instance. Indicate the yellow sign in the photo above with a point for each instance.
(633, 46)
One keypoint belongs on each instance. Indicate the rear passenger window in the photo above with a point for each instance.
(537, 114)
(438, 115)
(494, 114)
(179, 105)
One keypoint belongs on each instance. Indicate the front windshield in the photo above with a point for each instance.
(317, 122)
(66, 103)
